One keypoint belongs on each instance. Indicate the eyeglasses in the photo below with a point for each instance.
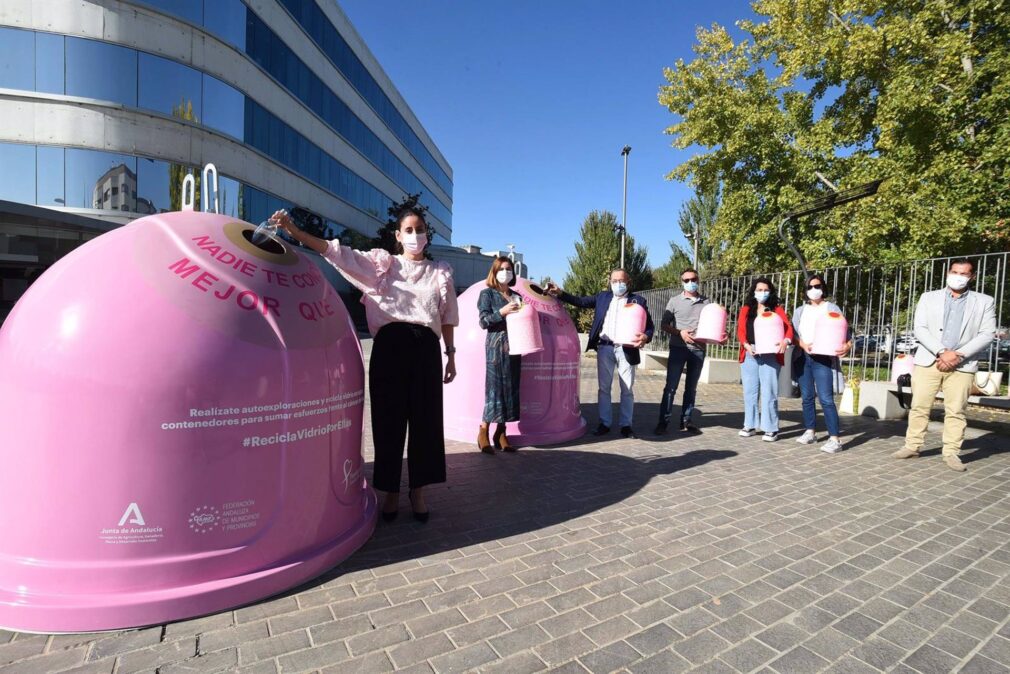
(815, 285)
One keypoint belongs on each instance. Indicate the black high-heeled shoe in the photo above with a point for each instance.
(419, 516)
(389, 516)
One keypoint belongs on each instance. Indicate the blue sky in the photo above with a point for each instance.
(531, 103)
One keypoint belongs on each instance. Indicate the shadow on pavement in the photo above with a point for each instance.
(492, 497)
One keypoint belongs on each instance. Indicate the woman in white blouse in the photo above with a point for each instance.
(410, 302)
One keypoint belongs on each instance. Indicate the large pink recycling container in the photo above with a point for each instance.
(904, 363)
(180, 429)
(711, 324)
(830, 334)
(631, 321)
(549, 385)
(524, 331)
(769, 331)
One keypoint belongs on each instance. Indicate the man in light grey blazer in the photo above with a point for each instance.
(953, 327)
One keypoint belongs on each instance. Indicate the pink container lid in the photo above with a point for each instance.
(549, 385)
(180, 429)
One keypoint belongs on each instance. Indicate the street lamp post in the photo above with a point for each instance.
(624, 215)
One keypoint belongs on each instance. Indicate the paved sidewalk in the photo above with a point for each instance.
(712, 553)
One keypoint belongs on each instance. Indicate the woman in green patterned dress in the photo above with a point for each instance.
(501, 381)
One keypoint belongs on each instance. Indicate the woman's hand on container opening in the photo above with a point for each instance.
(450, 370)
(509, 308)
(282, 219)
(552, 289)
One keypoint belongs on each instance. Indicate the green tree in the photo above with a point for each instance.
(697, 218)
(910, 91)
(386, 237)
(597, 253)
(176, 172)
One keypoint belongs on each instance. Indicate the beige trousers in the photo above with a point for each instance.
(926, 382)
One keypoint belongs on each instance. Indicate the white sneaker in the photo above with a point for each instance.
(832, 446)
(808, 438)
(771, 437)
(747, 432)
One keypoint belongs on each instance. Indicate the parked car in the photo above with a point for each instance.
(906, 343)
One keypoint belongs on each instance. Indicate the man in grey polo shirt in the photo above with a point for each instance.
(680, 320)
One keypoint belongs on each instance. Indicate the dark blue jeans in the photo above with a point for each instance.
(816, 376)
(681, 357)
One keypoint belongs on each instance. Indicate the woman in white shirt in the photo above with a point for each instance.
(816, 373)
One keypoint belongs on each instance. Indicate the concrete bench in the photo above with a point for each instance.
(879, 400)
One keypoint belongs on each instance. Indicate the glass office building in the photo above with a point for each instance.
(105, 106)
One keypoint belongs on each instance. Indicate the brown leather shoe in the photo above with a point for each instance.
(483, 442)
(953, 462)
(905, 453)
(501, 441)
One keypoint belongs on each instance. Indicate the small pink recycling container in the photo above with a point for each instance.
(523, 329)
(769, 331)
(549, 384)
(711, 325)
(180, 429)
(904, 363)
(631, 321)
(830, 334)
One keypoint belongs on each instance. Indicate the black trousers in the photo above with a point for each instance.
(405, 384)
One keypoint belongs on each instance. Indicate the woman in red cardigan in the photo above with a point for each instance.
(760, 372)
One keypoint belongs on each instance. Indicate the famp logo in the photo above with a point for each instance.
(132, 516)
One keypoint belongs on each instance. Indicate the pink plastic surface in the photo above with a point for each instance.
(711, 324)
(549, 385)
(903, 364)
(769, 331)
(524, 331)
(631, 322)
(180, 429)
(830, 334)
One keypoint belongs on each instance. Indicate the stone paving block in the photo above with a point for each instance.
(56, 661)
(232, 636)
(376, 639)
(518, 640)
(479, 630)
(417, 650)
(653, 639)
(665, 662)
(748, 656)
(701, 647)
(107, 646)
(829, 643)
(799, 660)
(339, 629)
(464, 659)
(218, 661)
(857, 626)
(558, 651)
(151, 658)
(272, 647)
(609, 658)
(929, 660)
(314, 658)
(879, 653)
(373, 663)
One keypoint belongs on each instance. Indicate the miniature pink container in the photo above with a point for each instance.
(180, 429)
(711, 324)
(549, 385)
(903, 364)
(524, 331)
(830, 334)
(631, 321)
(769, 331)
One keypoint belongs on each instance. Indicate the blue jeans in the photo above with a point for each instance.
(817, 376)
(681, 357)
(609, 358)
(760, 375)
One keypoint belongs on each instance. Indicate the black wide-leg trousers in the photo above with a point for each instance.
(405, 384)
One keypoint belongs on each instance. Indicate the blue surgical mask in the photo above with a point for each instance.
(761, 296)
(619, 288)
(691, 286)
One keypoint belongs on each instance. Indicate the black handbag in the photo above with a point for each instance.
(903, 381)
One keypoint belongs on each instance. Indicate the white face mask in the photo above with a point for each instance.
(815, 293)
(504, 275)
(957, 282)
(619, 288)
(761, 295)
(414, 242)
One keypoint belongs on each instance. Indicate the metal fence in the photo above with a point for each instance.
(878, 301)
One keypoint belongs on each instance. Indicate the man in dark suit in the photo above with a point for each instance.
(612, 356)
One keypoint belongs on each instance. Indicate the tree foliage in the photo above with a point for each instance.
(911, 91)
(597, 253)
(697, 218)
(386, 237)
